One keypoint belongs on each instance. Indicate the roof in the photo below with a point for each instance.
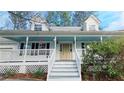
(59, 33)
(67, 28)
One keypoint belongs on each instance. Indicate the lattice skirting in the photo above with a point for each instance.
(33, 68)
(16, 68)
(4, 69)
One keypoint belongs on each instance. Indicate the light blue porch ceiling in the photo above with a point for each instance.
(65, 38)
(83, 38)
(88, 38)
(41, 38)
(18, 39)
(92, 38)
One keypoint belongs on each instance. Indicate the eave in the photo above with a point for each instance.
(61, 33)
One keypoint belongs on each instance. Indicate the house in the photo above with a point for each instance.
(56, 50)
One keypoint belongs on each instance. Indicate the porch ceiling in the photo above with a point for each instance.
(18, 39)
(60, 38)
(92, 38)
(65, 38)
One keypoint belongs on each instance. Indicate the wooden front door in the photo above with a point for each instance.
(65, 51)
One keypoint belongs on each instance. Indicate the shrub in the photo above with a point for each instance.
(104, 57)
(9, 73)
(38, 73)
(111, 71)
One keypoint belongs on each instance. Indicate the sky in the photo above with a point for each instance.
(110, 20)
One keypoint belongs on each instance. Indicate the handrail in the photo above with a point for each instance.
(81, 53)
(51, 60)
(78, 62)
(83, 50)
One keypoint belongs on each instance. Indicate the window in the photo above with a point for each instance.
(92, 27)
(40, 45)
(37, 45)
(33, 46)
(22, 46)
(38, 27)
(43, 46)
(82, 45)
(48, 45)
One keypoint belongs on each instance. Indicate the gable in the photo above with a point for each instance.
(92, 19)
(38, 19)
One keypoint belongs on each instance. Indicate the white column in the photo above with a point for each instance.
(55, 45)
(101, 38)
(55, 42)
(26, 46)
(23, 67)
(75, 41)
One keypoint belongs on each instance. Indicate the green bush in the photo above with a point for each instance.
(111, 71)
(110, 53)
(9, 73)
(38, 73)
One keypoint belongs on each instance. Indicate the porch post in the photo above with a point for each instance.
(26, 46)
(54, 46)
(101, 38)
(23, 67)
(55, 42)
(75, 41)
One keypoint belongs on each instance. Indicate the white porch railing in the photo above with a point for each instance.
(13, 60)
(78, 62)
(81, 53)
(18, 54)
(51, 62)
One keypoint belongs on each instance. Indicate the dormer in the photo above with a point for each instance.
(38, 24)
(91, 24)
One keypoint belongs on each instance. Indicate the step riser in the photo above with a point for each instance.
(64, 66)
(64, 74)
(64, 63)
(64, 70)
(64, 79)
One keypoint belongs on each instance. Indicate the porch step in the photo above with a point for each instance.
(65, 63)
(64, 74)
(64, 70)
(65, 66)
(57, 78)
(65, 60)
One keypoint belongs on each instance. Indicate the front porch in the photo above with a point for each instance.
(32, 52)
(40, 49)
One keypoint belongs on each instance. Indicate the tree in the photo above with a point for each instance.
(79, 17)
(59, 18)
(52, 18)
(20, 19)
(65, 19)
